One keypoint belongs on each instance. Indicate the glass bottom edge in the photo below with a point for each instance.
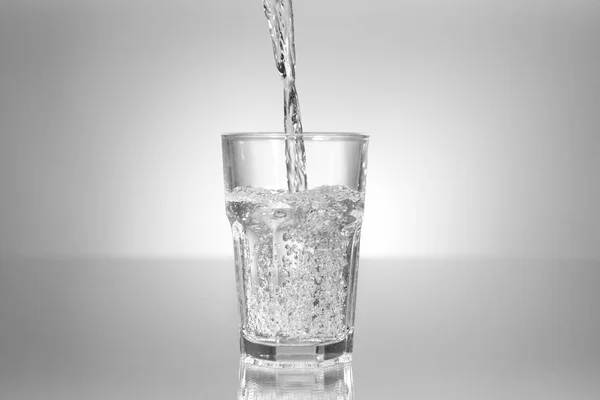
(309, 356)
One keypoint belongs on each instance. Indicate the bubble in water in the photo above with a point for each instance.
(307, 300)
(279, 214)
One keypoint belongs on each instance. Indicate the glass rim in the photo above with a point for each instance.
(303, 135)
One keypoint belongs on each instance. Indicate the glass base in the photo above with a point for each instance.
(297, 356)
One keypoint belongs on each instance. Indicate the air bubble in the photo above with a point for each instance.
(279, 214)
(304, 239)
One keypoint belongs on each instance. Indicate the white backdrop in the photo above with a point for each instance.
(484, 120)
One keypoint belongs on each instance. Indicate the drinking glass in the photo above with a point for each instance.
(296, 254)
(326, 383)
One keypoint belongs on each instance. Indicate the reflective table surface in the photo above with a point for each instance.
(425, 329)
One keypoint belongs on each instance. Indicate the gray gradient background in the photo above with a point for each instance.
(484, 116)
(483, 195)
(425, 330)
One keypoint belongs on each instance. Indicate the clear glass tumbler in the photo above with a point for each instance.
(329, 383)
(296, 254)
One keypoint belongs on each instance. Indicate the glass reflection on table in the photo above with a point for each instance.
(263, 383)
